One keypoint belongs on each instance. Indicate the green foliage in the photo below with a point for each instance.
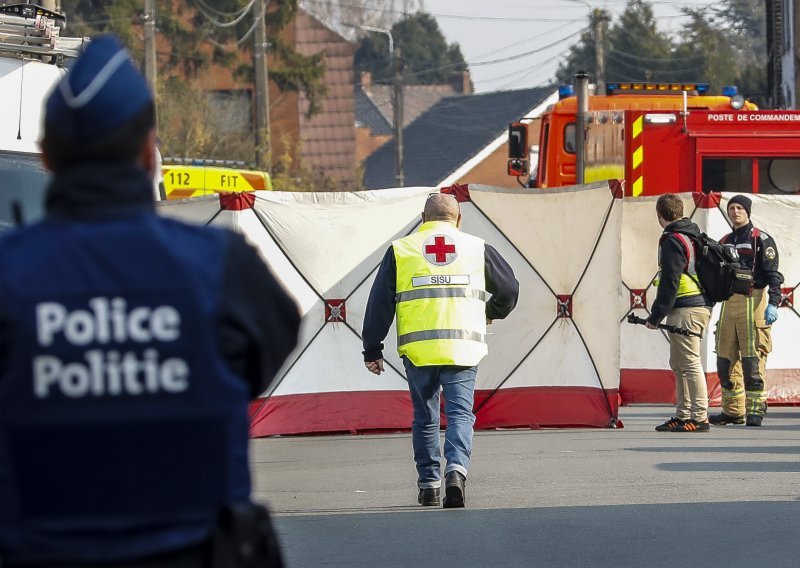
(427, 59)
(720, 45)
(637, 50)
(195, 41)
(193, 121)
(707, 51)
(288, 175)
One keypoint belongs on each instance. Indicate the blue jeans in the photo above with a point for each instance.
(458, 384)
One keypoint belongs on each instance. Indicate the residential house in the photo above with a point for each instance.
(460, 139)
(325, 141)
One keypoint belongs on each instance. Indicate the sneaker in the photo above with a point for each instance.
(754, 419)
(722, 419)
(669, 425)
(692, 426)
(428, 497)
(453, 490)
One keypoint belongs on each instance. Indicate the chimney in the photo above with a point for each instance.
(366, 80)
(461, 82)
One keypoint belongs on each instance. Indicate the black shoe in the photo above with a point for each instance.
(670, 425)
(754, 419)
(428, 497)
(692, 426)
(453, 490)
(722, 419)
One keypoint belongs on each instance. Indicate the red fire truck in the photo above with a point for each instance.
(743, 151)
(661, 141)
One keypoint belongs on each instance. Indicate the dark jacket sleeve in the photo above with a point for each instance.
(673, 262)
(258, 321)
(380, 308)
(500, 283)
(768, 268)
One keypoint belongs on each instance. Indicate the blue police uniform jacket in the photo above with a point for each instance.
(119, 415)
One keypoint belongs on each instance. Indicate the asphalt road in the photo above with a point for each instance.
(629, 497)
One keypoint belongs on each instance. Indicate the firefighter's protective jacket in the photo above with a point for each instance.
(758, 252)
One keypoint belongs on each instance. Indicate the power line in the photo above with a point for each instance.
(543, 82)
(219, 24)
(443, 16)
(642, 58)
(527, 70)
(493, 61)
(223, 14)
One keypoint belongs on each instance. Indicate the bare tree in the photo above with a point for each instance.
(377, 13)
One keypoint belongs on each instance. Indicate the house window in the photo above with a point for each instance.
(232, 110)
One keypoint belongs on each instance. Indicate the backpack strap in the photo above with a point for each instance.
(688, 248)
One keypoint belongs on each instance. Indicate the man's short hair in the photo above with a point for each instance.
(441, 207)
(669, 207)
(124, 144)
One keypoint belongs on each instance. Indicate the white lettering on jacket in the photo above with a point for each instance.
(108, 371)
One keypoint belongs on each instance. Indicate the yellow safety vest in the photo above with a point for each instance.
(689, 284)
(441, 296)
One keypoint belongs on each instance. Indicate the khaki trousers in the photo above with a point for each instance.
(691, 392)
(743, 332)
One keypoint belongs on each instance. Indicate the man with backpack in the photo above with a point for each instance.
(681, 300)
(743, 330)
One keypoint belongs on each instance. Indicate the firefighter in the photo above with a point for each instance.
(744, 326)
(131, 346)
(681, 300)
(437, 281)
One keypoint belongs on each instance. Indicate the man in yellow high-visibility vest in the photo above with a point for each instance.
(444, 286)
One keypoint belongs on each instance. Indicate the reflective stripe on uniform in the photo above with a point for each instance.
(440, 334)
(752, 347)
(471, 293)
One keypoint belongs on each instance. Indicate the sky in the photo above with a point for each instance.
(516, 44)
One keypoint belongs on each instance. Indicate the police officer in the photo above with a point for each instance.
(437, 281)
(130, 346)
(743, 330)
(681, 300)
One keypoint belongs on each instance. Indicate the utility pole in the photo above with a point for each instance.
(261, 87)
(582, 91)
(150, 43)
(599, 21)
(399, 177)
(395, 60)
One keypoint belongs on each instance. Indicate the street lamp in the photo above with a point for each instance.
(397, 103)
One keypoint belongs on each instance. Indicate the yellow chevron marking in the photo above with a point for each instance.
(638, 186)
(637, 127)
(638, 157)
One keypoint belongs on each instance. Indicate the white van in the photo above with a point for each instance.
(32, 59)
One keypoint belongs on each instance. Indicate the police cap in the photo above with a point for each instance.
(100, 93)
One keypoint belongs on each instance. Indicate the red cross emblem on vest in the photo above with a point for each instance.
(439, 249)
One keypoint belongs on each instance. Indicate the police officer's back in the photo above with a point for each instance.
(130, 347)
